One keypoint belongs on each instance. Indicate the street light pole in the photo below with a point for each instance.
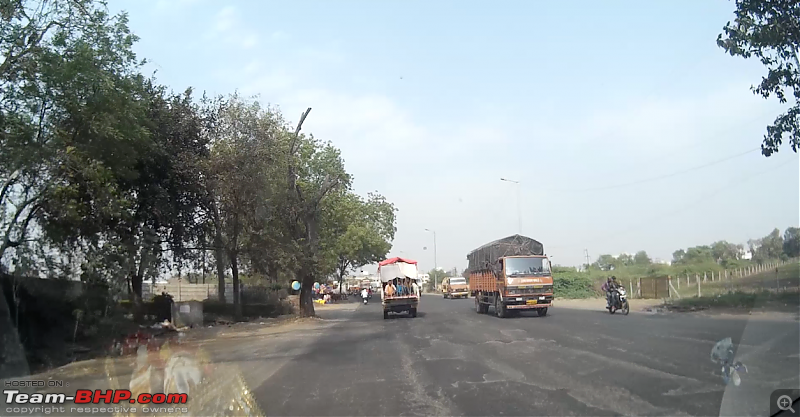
(519, 207)
(435, 263)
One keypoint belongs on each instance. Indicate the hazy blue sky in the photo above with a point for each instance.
(432, 102)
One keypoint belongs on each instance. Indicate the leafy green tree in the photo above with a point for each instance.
(436, 276)
(357, 232)
(791, 242)
(244, 143)
(606, 262)
(768, 30)
(625, 260)
(314, 171)
(51, 122)
(641, 258)
(679, 256)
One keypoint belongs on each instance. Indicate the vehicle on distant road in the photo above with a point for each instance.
(455, 287)
(512, 273)
(399, 288)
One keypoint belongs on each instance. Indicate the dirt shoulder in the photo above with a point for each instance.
(600, 304)
(767, 310)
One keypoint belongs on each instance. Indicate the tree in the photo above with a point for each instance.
(605, 262)
(51, 121)
(641, 258)
(357, 232)
(436, 276)
(244, 145)
(313, 170)
(771, 246)
(723, 251)
(791, 242)
(770, 31)
(624, 259)
(679, 256)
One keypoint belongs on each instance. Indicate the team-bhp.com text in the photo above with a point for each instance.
(83, 396)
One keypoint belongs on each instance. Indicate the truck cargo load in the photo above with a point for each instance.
(515, 245)
(510, 274)
(400, 290)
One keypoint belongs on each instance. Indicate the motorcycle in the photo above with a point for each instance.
(365, 299)
(619, 301)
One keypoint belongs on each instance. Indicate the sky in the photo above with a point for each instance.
(625, 125)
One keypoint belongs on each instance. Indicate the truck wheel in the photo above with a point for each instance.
(499, 308)
(542, 312)
(413, 312)
(478, 305)
(385, 315)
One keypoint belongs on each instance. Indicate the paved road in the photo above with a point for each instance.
(451, 361)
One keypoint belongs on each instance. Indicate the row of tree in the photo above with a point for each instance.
(770, 247)
(107, 175)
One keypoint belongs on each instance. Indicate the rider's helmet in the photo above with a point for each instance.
(608, 279)
(613, 278)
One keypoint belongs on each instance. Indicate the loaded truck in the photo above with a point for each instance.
(510, 274)
(399, 288)
(455, 287)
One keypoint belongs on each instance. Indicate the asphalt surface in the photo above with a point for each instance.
(452, 361)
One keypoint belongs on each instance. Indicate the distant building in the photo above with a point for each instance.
(424, 278)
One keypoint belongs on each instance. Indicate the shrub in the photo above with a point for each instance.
(572, 284)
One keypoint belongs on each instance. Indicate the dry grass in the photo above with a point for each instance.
(773, 290)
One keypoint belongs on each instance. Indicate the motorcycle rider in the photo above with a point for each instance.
(608, 286)
(364, 294)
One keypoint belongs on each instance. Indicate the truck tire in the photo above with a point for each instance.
(478, 305)
(385, 315)
(499, 308)
(542, 312)
(413, 312)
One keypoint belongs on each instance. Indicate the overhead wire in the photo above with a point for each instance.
(739, 180)
(672, 174)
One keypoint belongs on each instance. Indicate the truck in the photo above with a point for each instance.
(455, 287)
(510, 274)
(400, 273)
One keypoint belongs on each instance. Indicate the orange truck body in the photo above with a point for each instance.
(457, 289)
(511, 274)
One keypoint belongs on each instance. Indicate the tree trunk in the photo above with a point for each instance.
(219, 256)
(237, 304)
(306, 290)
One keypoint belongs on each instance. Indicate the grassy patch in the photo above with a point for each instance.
(771, 300)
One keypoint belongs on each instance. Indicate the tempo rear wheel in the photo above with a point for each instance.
(542, 312)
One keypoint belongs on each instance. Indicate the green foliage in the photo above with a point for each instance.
(791, 242)
(569, 283)
(106, 175)
(768, 31)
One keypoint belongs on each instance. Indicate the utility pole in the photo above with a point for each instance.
(435, 263)
(586, 251)
(519, 206)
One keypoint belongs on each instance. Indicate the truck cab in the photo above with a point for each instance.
(455, 287)
(527, 283)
